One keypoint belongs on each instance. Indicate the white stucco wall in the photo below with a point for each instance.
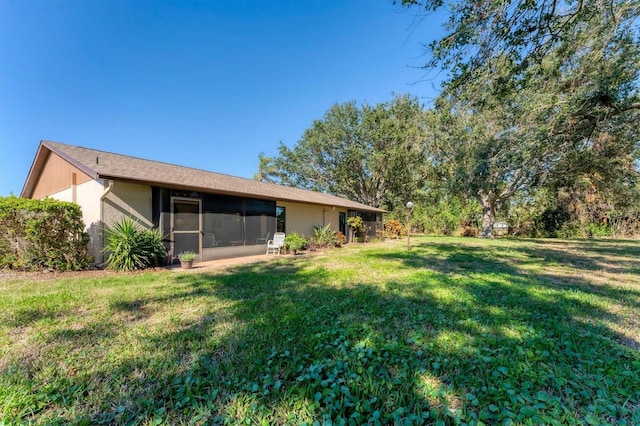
(87, 196)
(66, 195)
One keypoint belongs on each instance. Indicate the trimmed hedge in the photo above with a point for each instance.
(42, 234)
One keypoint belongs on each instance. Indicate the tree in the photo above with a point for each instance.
(479, 31)
(482, 153)
(369, 154)
(536, 89)
(267, 170)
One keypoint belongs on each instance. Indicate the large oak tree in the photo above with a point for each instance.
(372, 154)
(537, 89)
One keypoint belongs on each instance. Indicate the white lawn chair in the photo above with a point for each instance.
(277, 243)
(263, 240)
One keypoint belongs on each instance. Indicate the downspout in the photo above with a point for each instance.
(106, 192)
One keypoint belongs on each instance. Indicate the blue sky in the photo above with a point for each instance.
(205, 84)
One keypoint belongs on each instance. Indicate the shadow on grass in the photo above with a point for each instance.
(29, 315)
(514, 259)
(467, 336)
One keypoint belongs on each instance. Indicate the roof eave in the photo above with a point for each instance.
(234, 193)
(36, 169)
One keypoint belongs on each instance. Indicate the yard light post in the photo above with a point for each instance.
(409, 209)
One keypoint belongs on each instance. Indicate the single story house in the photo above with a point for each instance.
(215, 215)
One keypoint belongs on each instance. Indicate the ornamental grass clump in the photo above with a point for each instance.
(132, 247)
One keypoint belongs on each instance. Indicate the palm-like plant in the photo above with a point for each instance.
(324, 236)
(267, 170)
(131, 247)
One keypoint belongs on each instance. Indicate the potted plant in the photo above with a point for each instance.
(186, 259)
(294, 242)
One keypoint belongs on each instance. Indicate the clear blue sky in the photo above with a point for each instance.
(205, 84)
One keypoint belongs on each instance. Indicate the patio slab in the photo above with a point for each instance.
(223, 263)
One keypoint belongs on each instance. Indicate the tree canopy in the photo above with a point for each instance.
(523, 33)
(370, 154)
(540, 107)
(538, 90)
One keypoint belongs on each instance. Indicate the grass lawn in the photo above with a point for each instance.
(453, 331)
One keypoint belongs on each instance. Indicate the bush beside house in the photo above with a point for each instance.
(295, 242)
(130, 246)
(42, 234)
(358, 227)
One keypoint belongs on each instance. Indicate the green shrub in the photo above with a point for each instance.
(132, 247)
(597, 230)
(358, 227)
(39, 234)
(294, 242)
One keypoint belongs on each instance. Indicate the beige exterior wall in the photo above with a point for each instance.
(128, 199)
(302, 218)
(332, 217)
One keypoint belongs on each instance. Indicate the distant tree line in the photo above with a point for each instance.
(537, 126)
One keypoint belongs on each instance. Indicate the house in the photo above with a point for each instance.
(215, 215)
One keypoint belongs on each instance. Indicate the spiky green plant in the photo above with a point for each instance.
(324, 236)
(132, 247)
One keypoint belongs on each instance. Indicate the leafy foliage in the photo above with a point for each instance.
(393, 228)
(294, 241)
(358, 227)
(132, 247)
(323, 237)
(187, 256)
(541, 93)
(267, 170)
(369, 154)
(523, 34)
(341, 239)
(37, 234)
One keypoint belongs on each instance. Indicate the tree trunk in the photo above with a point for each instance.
(488, 215)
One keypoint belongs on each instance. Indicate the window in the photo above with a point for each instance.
(280, 219)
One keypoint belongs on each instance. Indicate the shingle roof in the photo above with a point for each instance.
(107, 165)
